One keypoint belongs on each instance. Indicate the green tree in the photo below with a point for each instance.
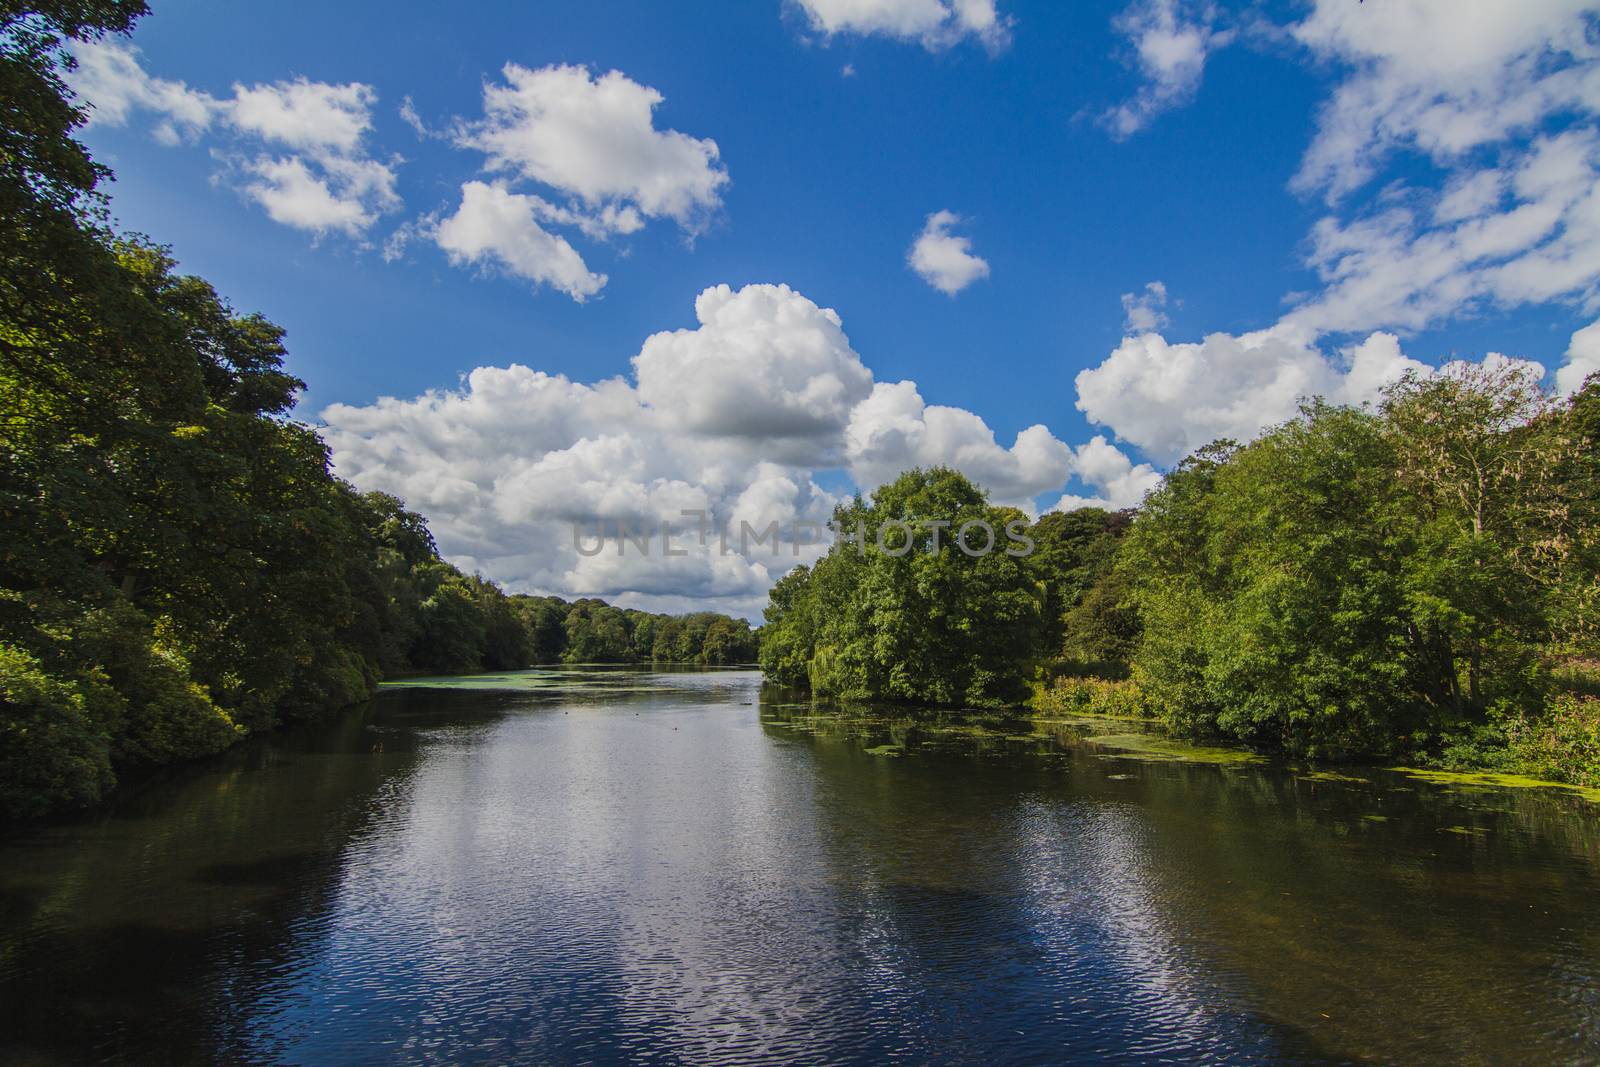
(909, 615)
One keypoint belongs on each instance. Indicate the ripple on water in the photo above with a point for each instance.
(648, 868)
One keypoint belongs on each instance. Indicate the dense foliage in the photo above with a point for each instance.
(592, 631)
(919, 622)
(1418, 581)
(179, 567)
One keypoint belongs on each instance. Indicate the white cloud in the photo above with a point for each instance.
(111, 80)
(1171, 40)
(306, 115)
(1583, 359)
(296, 197)
(1147, 311)
(1171, 398)
(764, 364)
(409, 116)
(1119, 482)
(494, 225)
(1501, 98)
(1442, 77)
(732, 417)
(326, 182)
(1527, 232)
(894, 430)
(935, 24)
(944, 260)
(595, 140)
(589, 141)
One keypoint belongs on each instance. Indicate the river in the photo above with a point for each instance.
(626, 866)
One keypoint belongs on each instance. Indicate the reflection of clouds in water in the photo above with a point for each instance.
(1095, 899)
(714, 954)
(458, 920)
(556, 886)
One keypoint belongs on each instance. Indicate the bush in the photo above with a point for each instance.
(152, 706)
(1094, 696)
(52, 752)
(1563, 744)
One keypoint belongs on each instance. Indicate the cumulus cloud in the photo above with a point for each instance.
(594, 139)
(1171, 40)
(944, 260)
(499, 227)
(935, 24)
(765, 364)
(313, 116)
(1147, 311)
(326, 181)
(1583, 359)
(1171, 398)
(110, 78)
(294, 195)
(732, 417)
(893, 430)
(563, 147)
(1117, 480)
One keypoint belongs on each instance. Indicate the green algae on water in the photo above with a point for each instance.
(1151, 747)
(530, 680)
(1479, 781)
(1330, 776)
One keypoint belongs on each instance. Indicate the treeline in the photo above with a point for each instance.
(441, 621)
(1417, 581)
(592, 631)
(179, 567)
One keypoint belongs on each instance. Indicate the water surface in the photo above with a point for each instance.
(625, 866)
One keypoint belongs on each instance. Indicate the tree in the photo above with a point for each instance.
(545, 619)
(1471, 455)
(908, 615)
(596, 633)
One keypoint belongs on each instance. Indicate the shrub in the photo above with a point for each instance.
(1093, 696)
(52, 752)
(1563, 744)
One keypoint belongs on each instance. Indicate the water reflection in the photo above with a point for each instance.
(605, 866)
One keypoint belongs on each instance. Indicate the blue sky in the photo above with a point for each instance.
(1313, 169)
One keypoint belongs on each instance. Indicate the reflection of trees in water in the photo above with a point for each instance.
(998, 912)
(1442, 932)
(149, 932)
(1386, 918)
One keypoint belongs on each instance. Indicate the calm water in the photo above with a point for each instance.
(611, 867)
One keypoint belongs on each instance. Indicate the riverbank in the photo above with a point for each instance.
(1560, 747)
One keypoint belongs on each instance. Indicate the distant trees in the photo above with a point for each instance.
(593, 631)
